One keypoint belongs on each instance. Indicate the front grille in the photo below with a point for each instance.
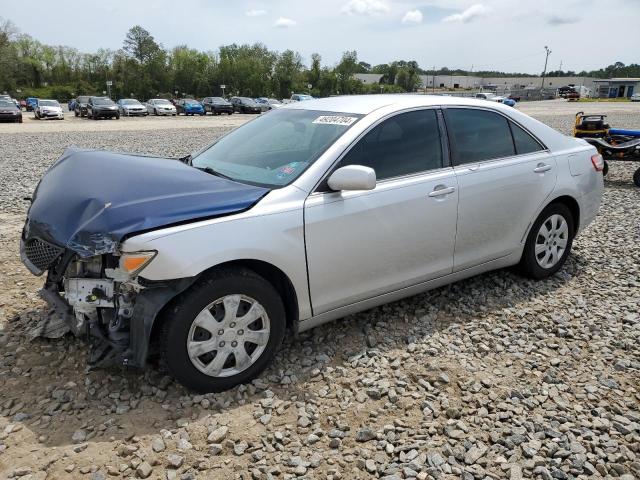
(42, 254)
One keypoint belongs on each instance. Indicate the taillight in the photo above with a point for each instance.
(598, 162)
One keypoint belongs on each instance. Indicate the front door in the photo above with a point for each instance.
(361, 244)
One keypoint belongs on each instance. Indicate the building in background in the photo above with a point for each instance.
(616, 87)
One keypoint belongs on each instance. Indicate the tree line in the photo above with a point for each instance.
(143, 68)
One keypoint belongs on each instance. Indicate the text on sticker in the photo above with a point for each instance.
(335, 120)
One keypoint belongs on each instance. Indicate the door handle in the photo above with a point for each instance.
(438, 192)
(542, 167)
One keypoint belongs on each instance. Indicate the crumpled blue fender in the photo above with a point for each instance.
(89, 200)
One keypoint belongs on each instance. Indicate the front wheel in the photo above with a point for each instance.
(636, 177)
(223, 331)
(549, 242)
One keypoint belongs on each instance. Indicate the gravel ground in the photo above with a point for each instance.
(492, 377)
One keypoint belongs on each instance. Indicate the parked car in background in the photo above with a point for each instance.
(514, 98)
(31, 103)
(268, 103)
(80, 107)
(189, 106)
(48, 109)
(71, 105)
(9, 112)
(160, 106)
(217, 106)
(305, 215)
(635, 97)
(509, 101)
(102, 107)
(245, 105)
(23, 104)
(300, 97)
(131, 107)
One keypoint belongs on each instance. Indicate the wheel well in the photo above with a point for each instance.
(275, 277)
(573, 207)
(272, 274)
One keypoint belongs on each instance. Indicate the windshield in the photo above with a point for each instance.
(162, 101)
(273, 150)
(130, 101)
(273, 101)
(191, 102)
(83, 99)
(102, 101)
(305, 97)
(218, 100)
(6, 103)
(48, 103)
(247, 101)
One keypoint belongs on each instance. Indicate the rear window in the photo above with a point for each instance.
(478, 135)
(524, 142)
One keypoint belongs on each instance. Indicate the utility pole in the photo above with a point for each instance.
(544, 73)
(560, 65)
(433, 84)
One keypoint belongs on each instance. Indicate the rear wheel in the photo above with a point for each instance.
(223, 331)
(636, 177)
(549, 242)
(605, 168)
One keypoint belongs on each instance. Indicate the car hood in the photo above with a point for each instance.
(90, 200)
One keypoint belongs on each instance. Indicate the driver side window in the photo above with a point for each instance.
(404, 144)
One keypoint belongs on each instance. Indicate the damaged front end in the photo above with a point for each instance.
(102, 299)
(83, 210)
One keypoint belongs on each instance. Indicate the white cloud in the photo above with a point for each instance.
(470, 14)
(365, 7)
(412, 16)
(255, 13)
(284, 22)
(562, 19)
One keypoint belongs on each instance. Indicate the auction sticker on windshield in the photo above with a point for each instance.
(335, 120)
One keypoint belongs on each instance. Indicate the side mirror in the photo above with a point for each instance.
(353, 177)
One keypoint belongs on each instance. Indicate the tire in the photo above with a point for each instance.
(534, 266)
(178, 330)
(118, 117)
(636, 177)
(155, 111)
(605, 169)
(75, 113)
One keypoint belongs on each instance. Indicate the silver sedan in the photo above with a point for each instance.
(160, 106)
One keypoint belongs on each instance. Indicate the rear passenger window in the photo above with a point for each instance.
(404, 144)
(524, 142)
(478, 135)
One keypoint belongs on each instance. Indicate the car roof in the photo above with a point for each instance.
(365, 104)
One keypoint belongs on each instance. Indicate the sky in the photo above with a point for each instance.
(505, 35)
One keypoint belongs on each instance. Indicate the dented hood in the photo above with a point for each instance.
(89, 200)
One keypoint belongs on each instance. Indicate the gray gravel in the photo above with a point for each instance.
(493, 377)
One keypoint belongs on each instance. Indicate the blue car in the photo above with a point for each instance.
(32, 103)
(189, 106)
(510, 102)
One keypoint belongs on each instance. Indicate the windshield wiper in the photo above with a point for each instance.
(214, 172)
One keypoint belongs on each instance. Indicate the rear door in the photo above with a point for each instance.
(504, 174)
(361, 244)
